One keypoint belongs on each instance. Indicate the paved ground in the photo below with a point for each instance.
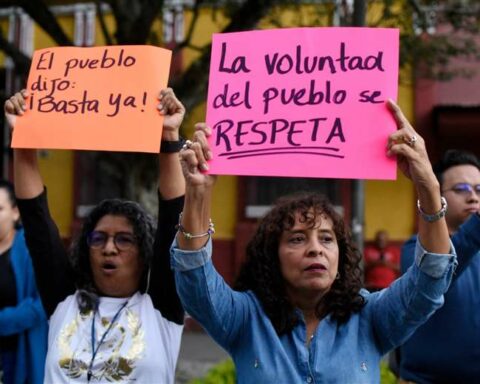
(198, 354)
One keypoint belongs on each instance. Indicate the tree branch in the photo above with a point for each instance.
(191, 28)
(22, 62)
(143, 24)
(246, 17)
(42, 15)
(134, 19)
(103, 25)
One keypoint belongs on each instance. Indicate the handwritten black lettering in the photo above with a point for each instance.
(49, 104)
(302, 150)
(303, 96)
(43, 84)
(242, 130)
(144, 100)
(45, 56)
(305, 64)
(284, 63)
(316, 62)
(239, 63)
(296, 133)
(222, 132)
(316, 124)
(337, 131)
(370, 97)
(283, 125)
(269, 95)
(292, 131)
(118, 101)
(225, 100)
(281, 66)
(104, 63)
(357, 62)
(257, 130)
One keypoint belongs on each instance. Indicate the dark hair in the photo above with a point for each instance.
(262, 272)
(8, 187)
(452, 158)
(143, 228)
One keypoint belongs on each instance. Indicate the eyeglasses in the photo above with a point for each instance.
(465, 189)
(122, 240)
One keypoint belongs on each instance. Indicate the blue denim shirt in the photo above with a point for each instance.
(346, 353)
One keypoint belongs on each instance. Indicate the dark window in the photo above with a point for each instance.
(261, 192)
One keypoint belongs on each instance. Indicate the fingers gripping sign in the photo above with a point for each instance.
(194, 158)
(15, 106)
(173, 111)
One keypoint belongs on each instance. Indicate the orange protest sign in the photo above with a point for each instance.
(98, 98)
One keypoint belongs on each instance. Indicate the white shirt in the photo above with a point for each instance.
(141, 346)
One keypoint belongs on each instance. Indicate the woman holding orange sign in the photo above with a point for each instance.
(112, 305)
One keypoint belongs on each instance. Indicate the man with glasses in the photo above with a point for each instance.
(446, 349)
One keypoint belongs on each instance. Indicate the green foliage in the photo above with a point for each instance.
(386, 376)
(434, 34)
(223, 373)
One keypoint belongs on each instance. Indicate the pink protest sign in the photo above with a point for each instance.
(306, 102)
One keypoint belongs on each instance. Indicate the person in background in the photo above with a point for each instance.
(299, 313)
(23, 323)
(382, 262)
(112, 304)
(446, 349)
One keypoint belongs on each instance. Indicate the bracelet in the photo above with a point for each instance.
(188, 235)
(437, 215)
(172, 146)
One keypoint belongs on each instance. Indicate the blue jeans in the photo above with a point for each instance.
(8, 366)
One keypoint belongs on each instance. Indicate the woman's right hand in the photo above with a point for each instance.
(194, 159)
(15, 106)
(412, 156)
(28, 181)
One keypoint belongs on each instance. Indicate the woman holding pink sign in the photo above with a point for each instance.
(114, 314)
(299, 313)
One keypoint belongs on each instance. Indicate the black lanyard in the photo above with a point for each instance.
(95, 350)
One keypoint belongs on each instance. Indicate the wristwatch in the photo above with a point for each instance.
(172, 146)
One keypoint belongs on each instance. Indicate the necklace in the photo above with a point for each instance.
(102, 339)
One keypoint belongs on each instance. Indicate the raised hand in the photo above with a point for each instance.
(409, 147)
(15, 106)
(194, 158)
(173, 111)
(413, 160)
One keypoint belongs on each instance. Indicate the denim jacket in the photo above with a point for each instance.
(337, 353)
(447, 348)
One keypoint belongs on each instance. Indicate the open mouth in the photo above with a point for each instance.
(109, 267)
(317, 267)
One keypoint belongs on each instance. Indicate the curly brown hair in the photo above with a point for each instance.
(261, 272)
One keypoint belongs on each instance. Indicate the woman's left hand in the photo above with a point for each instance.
(194, 159)
(409, 147)
(173, 111)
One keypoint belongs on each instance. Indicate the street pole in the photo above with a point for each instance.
(358, 186)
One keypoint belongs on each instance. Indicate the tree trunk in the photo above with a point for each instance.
(191, 87)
